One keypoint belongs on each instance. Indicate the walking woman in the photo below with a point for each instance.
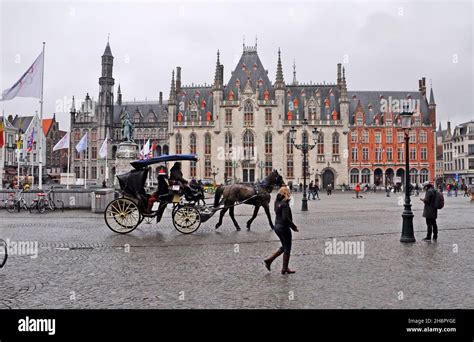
(283, 226)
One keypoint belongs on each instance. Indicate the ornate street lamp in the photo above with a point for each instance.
(304, 147)
(407, 226)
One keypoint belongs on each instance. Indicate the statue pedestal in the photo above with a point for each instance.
(127, 152)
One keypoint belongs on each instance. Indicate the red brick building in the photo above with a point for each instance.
(376, 145)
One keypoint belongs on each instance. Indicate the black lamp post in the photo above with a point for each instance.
(304, 147)
(407, 226)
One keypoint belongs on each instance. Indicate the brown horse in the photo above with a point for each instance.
(258, 196)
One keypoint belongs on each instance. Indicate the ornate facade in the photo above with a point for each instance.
(241, 129)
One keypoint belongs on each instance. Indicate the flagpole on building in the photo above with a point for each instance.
(40, 133)
(85, 169)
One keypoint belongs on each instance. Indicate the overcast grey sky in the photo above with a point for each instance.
(388, 46)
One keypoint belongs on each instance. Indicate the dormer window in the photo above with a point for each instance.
(136, 117)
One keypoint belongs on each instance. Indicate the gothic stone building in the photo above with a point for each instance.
(241, 129)
(103, 117)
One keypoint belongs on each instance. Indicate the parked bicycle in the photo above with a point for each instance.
(17, 203)
(45, 201)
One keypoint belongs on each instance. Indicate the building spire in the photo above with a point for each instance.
(107, 51)
(73, 105)
(432, 100)
(295, 82)
(172, 90)
(217, 75)
(279, 81)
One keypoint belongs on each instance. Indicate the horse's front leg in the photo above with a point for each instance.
(267, 211)
(255, 212)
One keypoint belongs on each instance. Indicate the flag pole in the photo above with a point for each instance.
(40, 133)
(68, 157)
(85, 169)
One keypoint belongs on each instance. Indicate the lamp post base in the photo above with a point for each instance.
(304, 203)
(407, 226)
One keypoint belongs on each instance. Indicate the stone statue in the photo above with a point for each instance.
(127, 127)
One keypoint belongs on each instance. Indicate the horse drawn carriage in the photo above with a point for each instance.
(131, 208)
(189, 209)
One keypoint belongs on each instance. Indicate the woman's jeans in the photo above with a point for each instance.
(284, 234)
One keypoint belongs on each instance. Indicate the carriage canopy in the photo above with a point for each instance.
(140, 164)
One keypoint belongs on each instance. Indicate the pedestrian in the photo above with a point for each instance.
(316, 190)
(104, 184)
(283, 227)
(430, 212)
(466, 194)
(311, 190)
(357, 190)
(301, 187)
(456, 190)
(329, 189)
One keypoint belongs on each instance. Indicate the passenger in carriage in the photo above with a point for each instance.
(176, 175)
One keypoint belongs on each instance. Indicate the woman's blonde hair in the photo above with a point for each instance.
(285, 192)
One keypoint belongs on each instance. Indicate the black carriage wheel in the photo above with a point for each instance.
(122, 216)
(186, 219)
(3, 253)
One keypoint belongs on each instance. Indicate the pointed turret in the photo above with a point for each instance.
(279, 81)
(119, 96)
(172, 90)
(72, 112)
(107, 51)
(432, 100)
(295, 81)
(217, 75)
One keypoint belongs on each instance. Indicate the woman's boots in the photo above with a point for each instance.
(286, 261)
(269, 260)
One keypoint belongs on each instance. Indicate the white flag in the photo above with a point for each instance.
(63, 143)
(145, 152)
(82, 146)
(103, 148)
(29, 85)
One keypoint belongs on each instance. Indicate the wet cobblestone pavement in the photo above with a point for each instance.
(82, 264)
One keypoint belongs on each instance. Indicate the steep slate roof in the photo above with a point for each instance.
(142, 107)
(302, 92)
(22, 122)
(249, 65)
(190, 95)
(367, 98)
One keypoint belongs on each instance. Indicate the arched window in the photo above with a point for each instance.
(320, 145)
(207, 144)
(179, 144)
(146, 133)
(153, 134)
(158, 150)
(249, 144)
(312, 111)
(354, 176)
(139, 134)
(192, 147)
(166, 149)
(335, 144)
(289, 145)
(268, 142)
(248, 113)
(366, 176)
(424, 175)
(228, 142)
(93, 135)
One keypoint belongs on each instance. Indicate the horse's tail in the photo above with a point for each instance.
(218, 195)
